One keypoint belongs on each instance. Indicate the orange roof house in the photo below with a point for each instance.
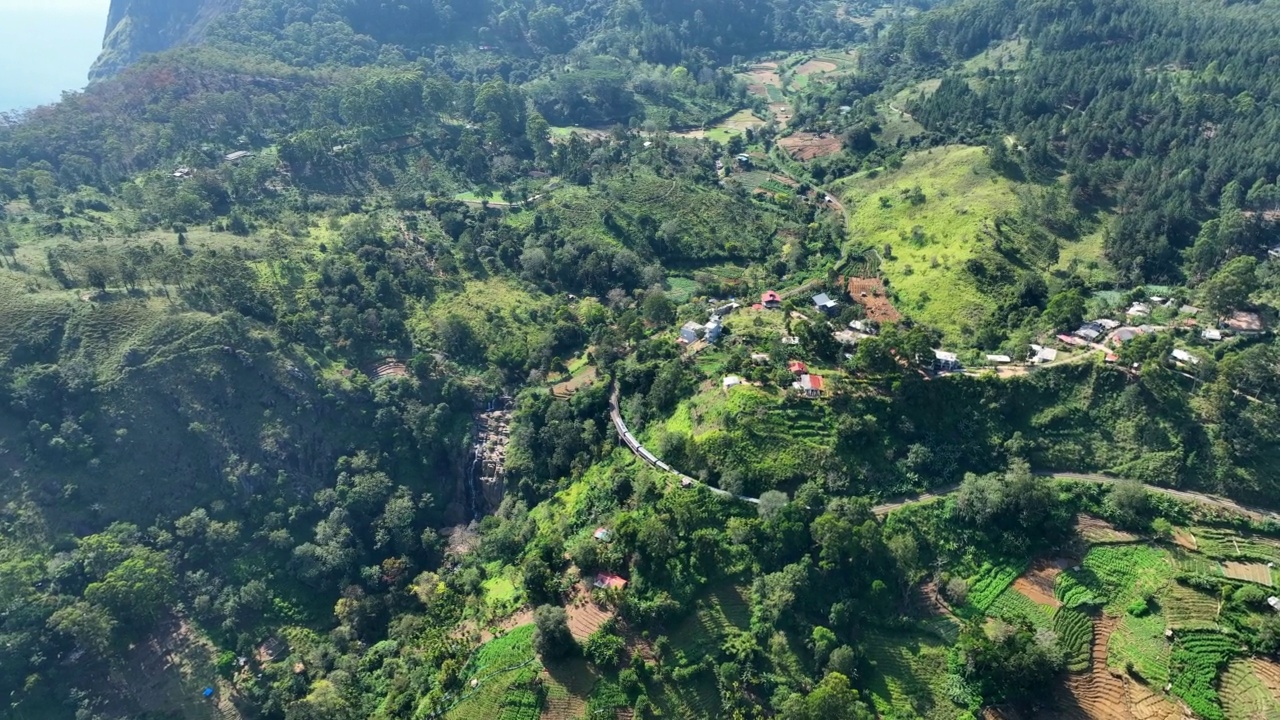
(797, 367)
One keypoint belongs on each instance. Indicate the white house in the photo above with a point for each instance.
(1183, 356)
(1041, 355)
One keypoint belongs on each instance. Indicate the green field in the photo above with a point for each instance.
(1012, 606)
(1075, 637)
(990, 583)
(1119, 575)
(719, 613)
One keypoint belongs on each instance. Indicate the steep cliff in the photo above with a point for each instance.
(138, 27)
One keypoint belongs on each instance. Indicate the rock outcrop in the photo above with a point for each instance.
(138, 27)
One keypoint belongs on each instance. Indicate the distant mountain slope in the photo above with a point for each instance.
(137, 27)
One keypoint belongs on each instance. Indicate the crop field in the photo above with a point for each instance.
(991, 581)
(1075, 636)
(693, 699)
(504, 670)
(1197, 564)
(1139, 643)
(1197, 657)
(1244, 692)
(722, 131)
(1012, 606)
(930, 240)
(910, 677)
(778, 446)
(1188, 608)
(1121, 574)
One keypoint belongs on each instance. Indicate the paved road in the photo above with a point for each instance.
(883, 509)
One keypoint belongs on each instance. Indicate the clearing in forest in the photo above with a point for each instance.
(925, 238)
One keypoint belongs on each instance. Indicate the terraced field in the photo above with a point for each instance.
(499, 680)
(1248, 689)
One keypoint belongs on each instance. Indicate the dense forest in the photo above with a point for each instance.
(573, 359)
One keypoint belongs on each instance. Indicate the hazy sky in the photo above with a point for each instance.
(47, 46)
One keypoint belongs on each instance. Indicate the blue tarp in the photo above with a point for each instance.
(208, 692)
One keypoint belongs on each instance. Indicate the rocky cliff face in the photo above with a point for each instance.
(138, 27)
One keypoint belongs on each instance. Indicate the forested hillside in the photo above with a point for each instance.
(586, 359)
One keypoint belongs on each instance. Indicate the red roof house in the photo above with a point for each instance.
(810, 386)
(771, 299)
(797, 367)
(610, 581)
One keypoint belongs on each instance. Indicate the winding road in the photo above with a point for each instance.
(883, 509)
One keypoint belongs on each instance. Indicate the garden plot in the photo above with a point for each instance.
(1189, 609)
(1139, 645)
(761, 77)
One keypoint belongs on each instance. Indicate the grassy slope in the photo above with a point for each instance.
(932, 240)
(961, 195)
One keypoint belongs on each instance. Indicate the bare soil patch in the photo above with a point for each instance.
(585, 616)
(1249, 572)
(507, 624)
(1099, 531)
(1183, 538)
(567, 388)
(1037, 582)
(813, 67)
(807, 146)
(870, 294)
